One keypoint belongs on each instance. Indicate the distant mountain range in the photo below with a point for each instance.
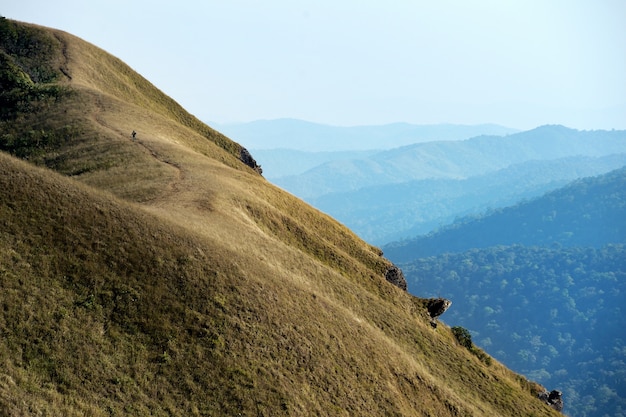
(586, 212)
(390, 212)
(453, 159)
(278, 163)
(407, 191)
(314, 137)
(542, 284)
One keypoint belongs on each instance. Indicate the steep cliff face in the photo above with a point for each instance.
(164, 276)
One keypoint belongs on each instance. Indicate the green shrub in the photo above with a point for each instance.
(463, 336)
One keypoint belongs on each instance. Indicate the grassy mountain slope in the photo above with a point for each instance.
(163, 276)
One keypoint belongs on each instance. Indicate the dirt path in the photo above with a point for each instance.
(175, 184)
(145, 144)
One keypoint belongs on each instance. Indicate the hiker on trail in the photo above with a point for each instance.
(133, 135)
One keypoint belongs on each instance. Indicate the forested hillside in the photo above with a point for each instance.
(556, 315)
(587, 212)
(541, 285)
(392, 212)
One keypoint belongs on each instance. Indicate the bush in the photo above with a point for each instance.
(463, 336)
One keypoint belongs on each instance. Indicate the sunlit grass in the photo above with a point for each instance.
(163, 277)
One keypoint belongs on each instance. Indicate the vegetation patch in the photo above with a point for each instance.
(33, 50)
(464, 337)
(29, 96)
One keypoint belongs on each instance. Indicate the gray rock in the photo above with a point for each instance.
(396, 277)
(554, 399)
(246, 157)
(436, 307)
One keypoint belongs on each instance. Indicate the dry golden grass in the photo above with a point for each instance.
(164, 277)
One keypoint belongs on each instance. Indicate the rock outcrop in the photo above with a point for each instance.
(554, 399)
(436, 307)
(246, 157)
(396, 277)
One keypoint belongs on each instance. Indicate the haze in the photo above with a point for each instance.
(516, 63)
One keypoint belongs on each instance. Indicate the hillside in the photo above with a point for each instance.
(541, 285)
(165, 276)
(392, 212)
(453, 159)
(587, 212)
(554, 314)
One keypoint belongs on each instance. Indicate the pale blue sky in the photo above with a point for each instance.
(520, 63)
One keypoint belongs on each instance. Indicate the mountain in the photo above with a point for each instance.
(453, 159)
(158, 273)
(587, 212)
(542, 284)
(392, 212)
(404, 192)
(305, 136)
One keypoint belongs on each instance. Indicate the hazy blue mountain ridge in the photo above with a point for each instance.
(315, 137)
(587, 212)
(278, 163)
(391, 212)
(453, 159)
